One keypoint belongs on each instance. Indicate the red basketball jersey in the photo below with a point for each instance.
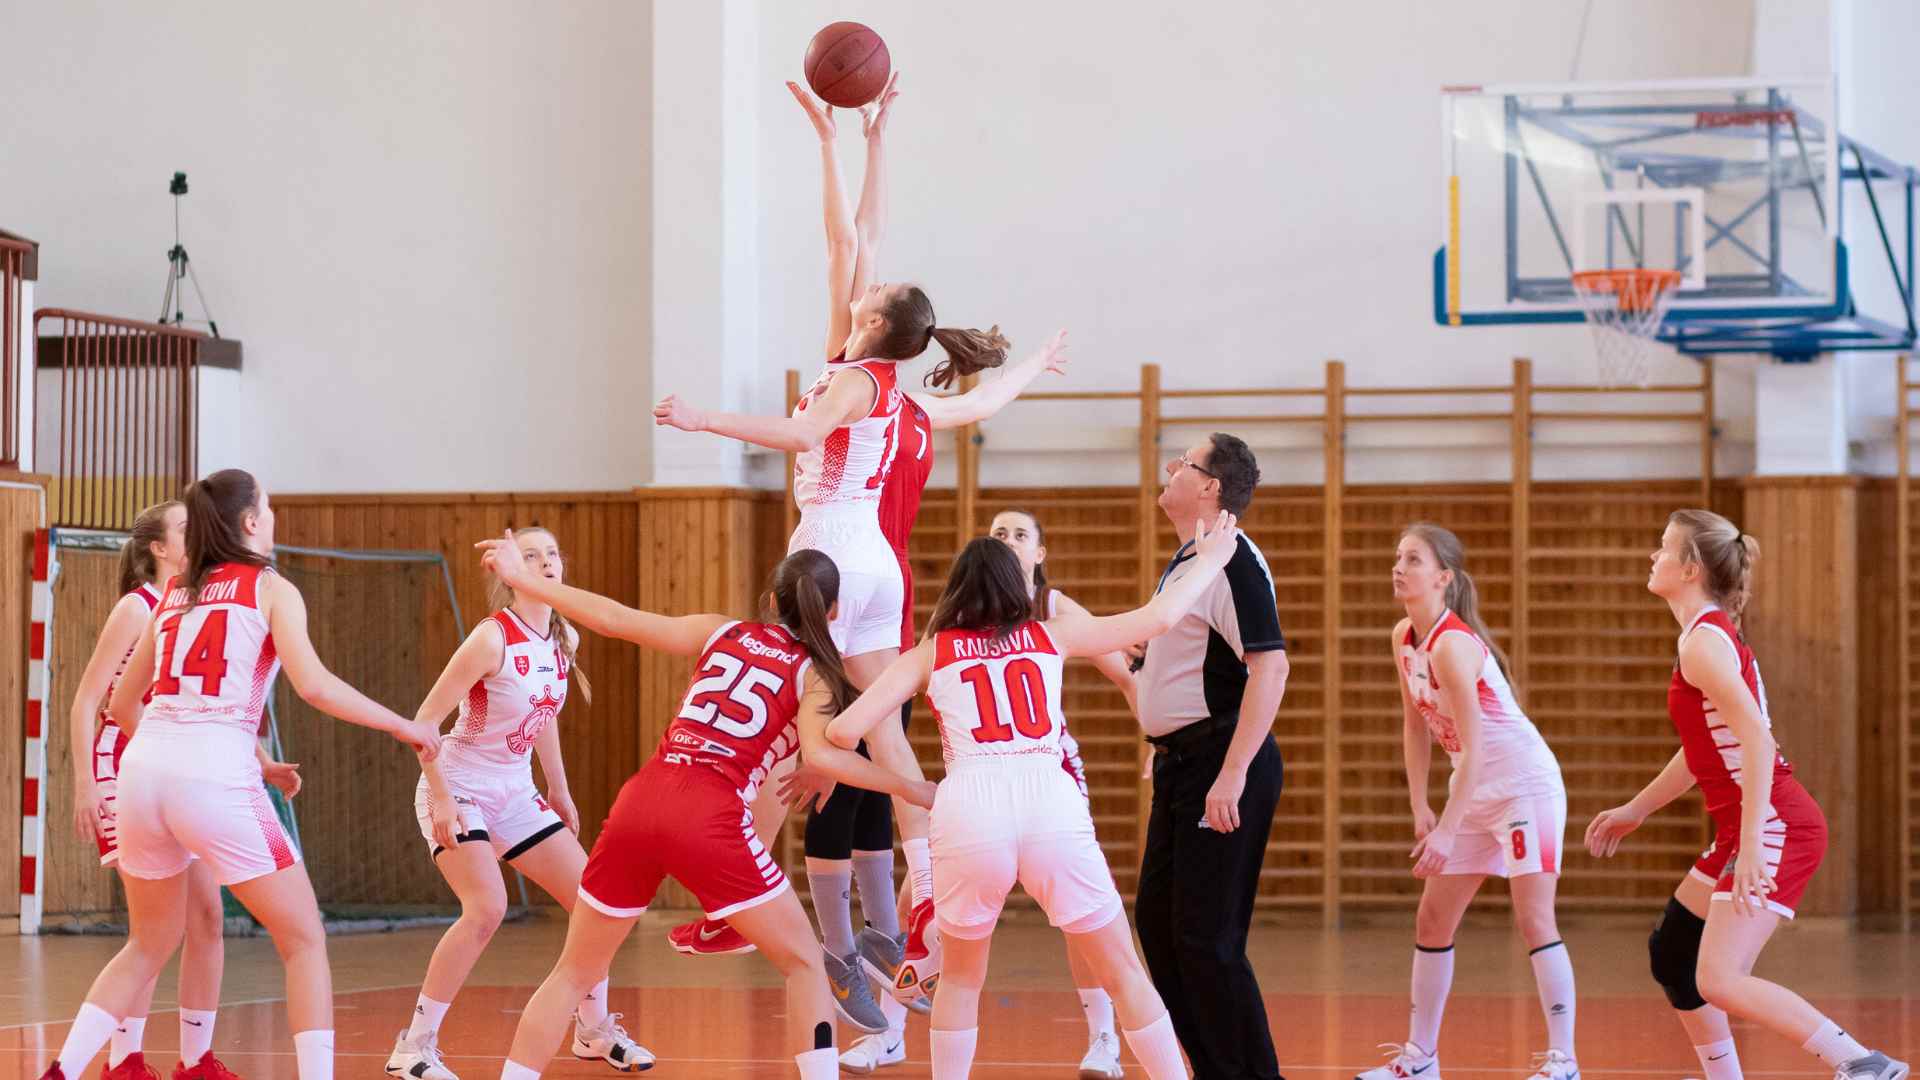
(738, 716)
(900, 500)
(1713, 754)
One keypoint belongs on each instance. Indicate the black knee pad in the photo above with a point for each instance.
(1674, 952)
(873, 823)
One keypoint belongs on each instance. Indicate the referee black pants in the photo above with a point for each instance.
(1195, 904)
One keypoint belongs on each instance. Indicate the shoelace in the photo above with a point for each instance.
(215, 1069)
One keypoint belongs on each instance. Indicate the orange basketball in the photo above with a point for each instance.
(847, 65)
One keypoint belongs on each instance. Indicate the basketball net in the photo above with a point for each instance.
(1625, 309)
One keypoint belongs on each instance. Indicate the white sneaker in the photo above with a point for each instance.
(1554, 1065)
(610, 1043)
(1407, 1062)
(1103, 1059)
(418, 1060)
(872, 1052)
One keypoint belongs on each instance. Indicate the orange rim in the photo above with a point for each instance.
(1636, 290)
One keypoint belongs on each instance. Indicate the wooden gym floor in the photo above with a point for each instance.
(1332, 996)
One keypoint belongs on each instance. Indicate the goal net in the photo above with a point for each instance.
(385, 622)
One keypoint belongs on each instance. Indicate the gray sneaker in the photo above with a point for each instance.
(880, 955)
(852, 994)
(1875, 1066)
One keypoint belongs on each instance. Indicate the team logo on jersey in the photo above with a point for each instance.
(521, 664)
(545, 708)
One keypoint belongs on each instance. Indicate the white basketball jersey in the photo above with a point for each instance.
(850, 466)
(214, 660)
(997, 697)
(505, 712)
(150, 594)
(1515, 757)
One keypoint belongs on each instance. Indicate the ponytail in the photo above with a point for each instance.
(1463, 599)
(559, 630)
(1725, 555)
(804, 588)
(910, 329)
(137, 563)
(216, 509)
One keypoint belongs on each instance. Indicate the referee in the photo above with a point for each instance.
(1208, 691)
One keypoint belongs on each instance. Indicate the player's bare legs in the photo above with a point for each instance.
(284, 904)
(1533, 917)
(1108, 957)
(556, 864)
(1443, 902)
(1706, 1025)
(956, 1008)
(592, 937)
(780, 930)
(474, 875)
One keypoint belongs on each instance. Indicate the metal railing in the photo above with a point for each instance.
(129, 416)
(13, 259)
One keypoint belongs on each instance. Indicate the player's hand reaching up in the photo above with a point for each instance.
(672, 412)
(501, 555)
(1054, 353)
(873, 118)
(821, 115)
(805, 784)
(1215, 541)
(1609, 827)
(284, 775)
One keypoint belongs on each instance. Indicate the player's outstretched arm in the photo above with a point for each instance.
(1214, 545)
(844, 765)
(870, 219)
(895, 686)
(846, 400)
(1114, 665)
(992, 395)
(685, 635)
(286, 614)
(842, 242)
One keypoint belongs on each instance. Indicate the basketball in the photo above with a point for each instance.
(847, 64)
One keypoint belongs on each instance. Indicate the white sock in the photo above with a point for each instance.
(919, 868)
(1432, 979)
(822, 1064)
(427, 1014)
(1158, 1050)
(894, 1012)
(126, 1040)
(92, 1027)
(313, 1053)
(592, 1010)
(1553, 978)
(1719, 1061)
(196, 1034)
(952, 1052)
(1099, 1009)
(1830, 1044)
(511, 1071)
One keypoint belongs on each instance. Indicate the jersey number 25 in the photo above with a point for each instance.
(731, 679)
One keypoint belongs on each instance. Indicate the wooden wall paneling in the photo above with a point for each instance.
(84, 594)
(1906, 683)
(1881, 808)
(1803, 623)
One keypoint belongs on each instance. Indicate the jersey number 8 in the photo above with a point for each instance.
(733, 680)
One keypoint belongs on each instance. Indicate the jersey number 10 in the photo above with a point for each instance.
(1026, 694)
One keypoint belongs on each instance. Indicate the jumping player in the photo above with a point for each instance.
(1007, 810)
(846, 432)
(1022, 533)
(190, 781)
(478, 808)
(1506, 808)
(155, 551)
(760, 690)
(1769, 834)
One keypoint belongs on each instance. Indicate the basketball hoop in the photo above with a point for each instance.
(1625, 309)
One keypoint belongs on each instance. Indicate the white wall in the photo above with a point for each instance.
(1238, 190)
(428, 222)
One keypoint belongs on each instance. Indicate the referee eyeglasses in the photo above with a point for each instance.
(1201, 469)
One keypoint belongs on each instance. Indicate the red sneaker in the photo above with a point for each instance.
(53, 1072)
(207, 1068)
(706, 937)
(920, 965)
(132, 1067)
